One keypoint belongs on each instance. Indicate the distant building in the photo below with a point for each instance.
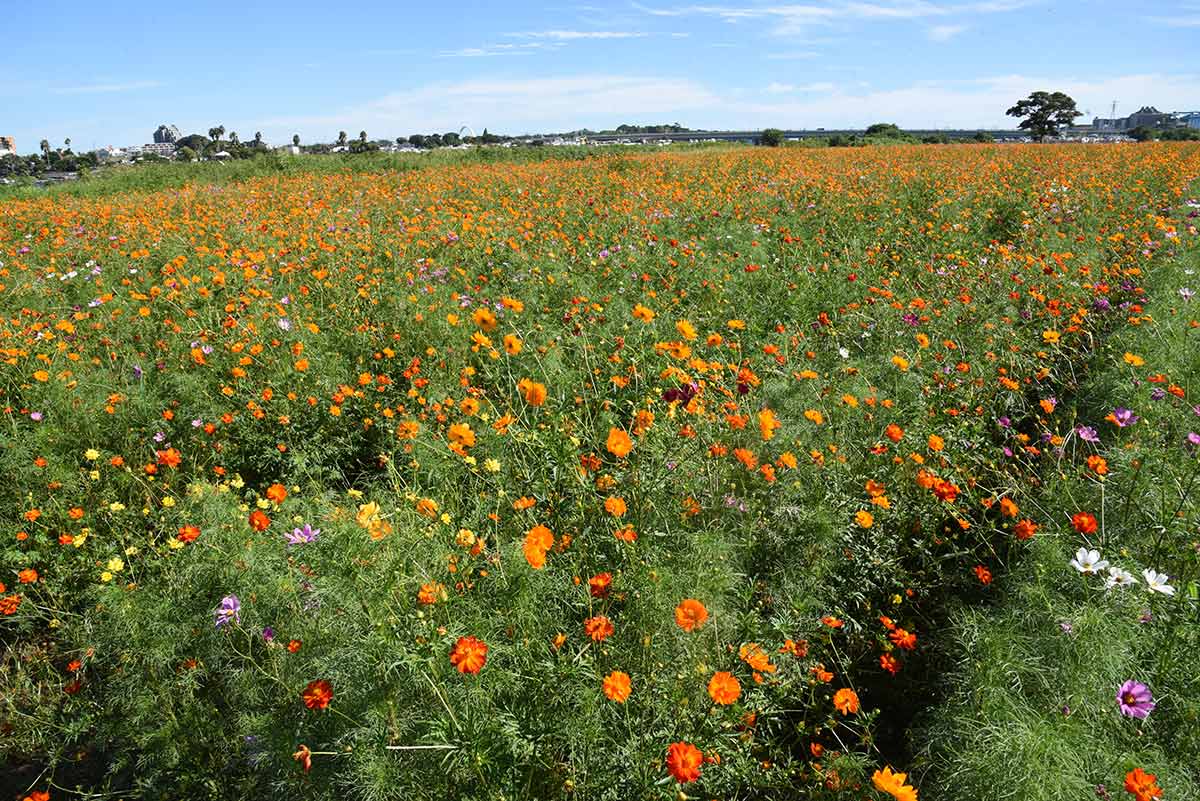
(8, 146)
(166, 134)
(164, 149)
(1145, 117)
(1188, 119)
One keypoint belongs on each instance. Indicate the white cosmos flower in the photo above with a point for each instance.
(1157, 582)
(1119, 578)
(1088, 562)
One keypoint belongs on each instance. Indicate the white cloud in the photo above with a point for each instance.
(792, 19)
(944, 33)
(545, 105)
(514, 106)
(776, 88)
(573, 35)
(100, 88)
(979, 103)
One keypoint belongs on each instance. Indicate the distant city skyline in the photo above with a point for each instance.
(111, 75)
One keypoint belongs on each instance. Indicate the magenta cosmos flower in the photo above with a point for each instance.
(1135, 700)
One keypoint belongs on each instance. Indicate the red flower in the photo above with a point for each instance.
(188, 533)
(259, 520)
(1143, 785)
(469, 654)
(683, 762)
(317, 694)
(1084, 522)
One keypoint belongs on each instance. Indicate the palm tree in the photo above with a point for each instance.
(233, 138)
(67, 143)
(295, 140)
(213, 133)
(220, 132)
(45, 147)
(258, 137)
(341, 138)
(362, 137)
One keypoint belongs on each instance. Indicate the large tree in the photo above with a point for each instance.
(1045, 113)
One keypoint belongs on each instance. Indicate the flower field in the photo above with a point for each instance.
(736, 473)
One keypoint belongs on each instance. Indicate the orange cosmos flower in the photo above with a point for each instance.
(1084, 523)
(615, 506)
(533, 392)
(259, 520)
(1143, 785)
(768, 423)
(538, 540)
(683, 762)
(276, 492)
(983, 574)
(469, 654)
(188, 533)
(845, 701)
(618, 443)
(724, 688)
(864, 518)
(598, 585)
(1025, 530)
(893, 432)
(616, 686)
(304, 757)
(427, 507)
(598, 628)
(27, 576)
(690, 614)
(639, 311)
(756, 657)
(936, 443)
(317, 694)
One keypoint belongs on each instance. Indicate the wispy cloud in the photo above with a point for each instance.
(567, 36)
(791, 19)
(525, 49)
(944, 33)
(776, 88)
(528, 105)
(99, 88)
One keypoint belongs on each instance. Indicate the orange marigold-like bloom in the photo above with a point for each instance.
(936, 443)
(9, 604)
(756, 657)
(618, 443)
(598, 585)
(1143, 785)
(615, 506)
(538, 540)
(317, 694)
(27, 576)
(259, 520)
(616, 686)
(845, 701)
(431, 592)
(768, 423)
(903, 639)
(188, 533)
(983, 574)
(889, 663)
(533, 392)
(304, 757)
(1097, 464)
(469, 654)
(893, 432)
(276, 492)
(724, 688)
(690, 614)
(683, 762)
(894, 784)
(598, 628)
(1025, 530)
(1084, 523)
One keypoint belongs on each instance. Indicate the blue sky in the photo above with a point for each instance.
(110, 73)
